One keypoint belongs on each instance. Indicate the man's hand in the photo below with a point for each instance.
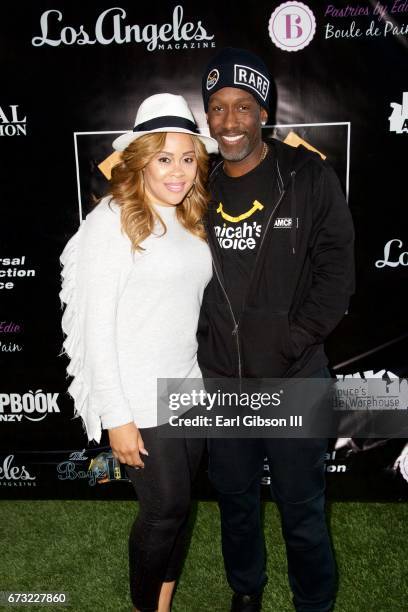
(127, 444)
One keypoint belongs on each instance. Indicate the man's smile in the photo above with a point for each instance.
(232, 139)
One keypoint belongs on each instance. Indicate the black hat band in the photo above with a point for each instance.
(166, 121)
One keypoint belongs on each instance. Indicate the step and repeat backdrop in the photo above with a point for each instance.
(72, 76)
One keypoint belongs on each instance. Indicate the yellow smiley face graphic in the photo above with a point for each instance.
(255, 206)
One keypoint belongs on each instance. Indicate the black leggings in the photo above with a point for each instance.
(157, 540)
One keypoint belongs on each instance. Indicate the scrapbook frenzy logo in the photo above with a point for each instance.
(292, 26)
(111, 28)
(32, 406)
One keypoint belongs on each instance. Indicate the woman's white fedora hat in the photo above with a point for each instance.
(164, 113)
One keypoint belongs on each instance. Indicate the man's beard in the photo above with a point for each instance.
(237, 155)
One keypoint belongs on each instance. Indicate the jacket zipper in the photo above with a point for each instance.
(235, 331)
(267, 227)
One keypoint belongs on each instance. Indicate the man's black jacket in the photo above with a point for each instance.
(302, 279)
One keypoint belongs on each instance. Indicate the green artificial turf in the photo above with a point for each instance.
(80, 547)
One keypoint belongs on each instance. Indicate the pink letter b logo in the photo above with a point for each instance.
(293, 29)
(292, 26)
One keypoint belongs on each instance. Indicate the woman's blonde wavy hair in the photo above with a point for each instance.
(127, 188)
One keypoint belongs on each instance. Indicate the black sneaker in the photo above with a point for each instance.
(246, 603)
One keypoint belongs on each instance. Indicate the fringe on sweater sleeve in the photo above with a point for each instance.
(73, 346)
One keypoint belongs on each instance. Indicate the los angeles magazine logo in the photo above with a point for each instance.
(111, 27)
(33, 406)
(393, 255)
(15, 475)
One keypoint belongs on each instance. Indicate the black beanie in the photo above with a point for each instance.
(237, 68)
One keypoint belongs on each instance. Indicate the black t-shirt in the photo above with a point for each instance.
(241, 203)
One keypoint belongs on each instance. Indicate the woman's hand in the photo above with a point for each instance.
(127, 444)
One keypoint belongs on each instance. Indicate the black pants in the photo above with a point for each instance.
(157, 540)
(298, 483)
